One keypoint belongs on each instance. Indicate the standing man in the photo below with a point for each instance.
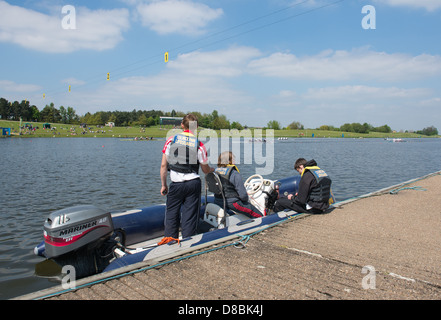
(182, 156)
(314, 194)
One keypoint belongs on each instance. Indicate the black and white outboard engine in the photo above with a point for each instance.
(80, 236)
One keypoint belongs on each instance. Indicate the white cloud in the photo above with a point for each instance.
(360, 93)
(95, 30)
(350, 97)
(429, 5)
(176, 16)
(11, 86)
(185, 93)
(348, 65)
(229, 62)
(195, 81)
(397, 107)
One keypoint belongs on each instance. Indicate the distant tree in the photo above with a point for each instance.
(4, 109)
(99, 118)
(50, 114)
(384, 129)
(35, 113)
(295, 125)
(367, 127)
(220, 122)
(429, 131)
(150, 121)
(72, 115)
(274, 124)
(328, 128)
(347, 127)
(16, 110)
(236, 125)
(24, 111)
(112, 118)
(205, 120)
(63, 113)
(142, 120)
(147, 122)
(358, 127)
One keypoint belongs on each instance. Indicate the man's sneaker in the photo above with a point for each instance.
(166, 240)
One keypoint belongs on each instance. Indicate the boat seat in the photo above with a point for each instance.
(218, 214)
(213, 209)
(222, 216)
(214, 184)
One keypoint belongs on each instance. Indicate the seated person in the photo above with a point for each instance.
(314, 195)
(233, 187)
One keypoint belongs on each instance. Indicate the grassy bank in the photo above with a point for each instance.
(71, 131)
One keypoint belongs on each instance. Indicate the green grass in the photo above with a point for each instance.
(66, 130)
(307, 133)
(71, 131)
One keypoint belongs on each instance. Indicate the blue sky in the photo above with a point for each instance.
(311, 61)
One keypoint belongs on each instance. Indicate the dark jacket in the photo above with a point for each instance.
(309, 185)
(234, 183)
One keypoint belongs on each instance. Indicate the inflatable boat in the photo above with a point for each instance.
(94, 240)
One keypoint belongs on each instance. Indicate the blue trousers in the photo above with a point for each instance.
(182, 208)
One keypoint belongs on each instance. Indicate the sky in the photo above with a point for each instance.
(317, 62)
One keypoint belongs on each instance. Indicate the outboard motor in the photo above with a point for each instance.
(80, 236)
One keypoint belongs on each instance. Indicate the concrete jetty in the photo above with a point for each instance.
(384, 246)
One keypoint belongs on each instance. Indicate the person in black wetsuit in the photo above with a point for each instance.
(314, 191)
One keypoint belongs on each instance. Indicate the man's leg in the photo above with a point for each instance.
(173, 210)
(285, 203)
(191, 207)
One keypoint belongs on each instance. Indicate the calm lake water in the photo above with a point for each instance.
(41, 175)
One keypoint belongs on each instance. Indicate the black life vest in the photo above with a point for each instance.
(183, 156)
(224, 174)
(321, 192)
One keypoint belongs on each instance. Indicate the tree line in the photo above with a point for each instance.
(351, 127)
(27, 112)
(347, 127)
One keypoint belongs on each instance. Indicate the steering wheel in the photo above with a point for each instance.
(255, 186)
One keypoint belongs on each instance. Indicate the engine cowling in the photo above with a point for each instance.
(72, 228)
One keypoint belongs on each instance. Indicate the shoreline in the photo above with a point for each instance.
(155, 137)
(75, 131)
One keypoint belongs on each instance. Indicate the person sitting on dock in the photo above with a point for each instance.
(233, 187)
(314, 193)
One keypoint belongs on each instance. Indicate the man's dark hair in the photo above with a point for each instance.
(299, 162)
